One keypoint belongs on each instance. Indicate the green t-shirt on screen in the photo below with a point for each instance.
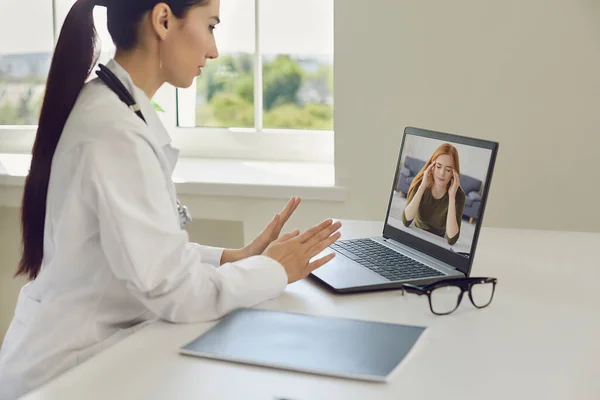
(432, 213)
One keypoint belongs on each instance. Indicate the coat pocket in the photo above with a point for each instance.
(28, 308)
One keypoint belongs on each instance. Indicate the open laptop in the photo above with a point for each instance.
(421, 245)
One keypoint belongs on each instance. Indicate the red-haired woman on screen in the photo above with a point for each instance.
(435, 200)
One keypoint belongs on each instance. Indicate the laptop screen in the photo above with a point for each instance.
(439, 192)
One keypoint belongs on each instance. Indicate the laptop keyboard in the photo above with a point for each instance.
(383, 260)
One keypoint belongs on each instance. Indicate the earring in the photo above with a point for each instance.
(160, 52)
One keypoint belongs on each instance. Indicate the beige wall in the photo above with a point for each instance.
(10, 245)
(525, 73)
(209, 232)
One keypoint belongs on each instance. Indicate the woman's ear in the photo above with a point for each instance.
(160, 19)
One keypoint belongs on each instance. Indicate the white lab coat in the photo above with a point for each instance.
(115, 256)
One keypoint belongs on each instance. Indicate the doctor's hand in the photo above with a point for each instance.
(294, 250)
(272, 231)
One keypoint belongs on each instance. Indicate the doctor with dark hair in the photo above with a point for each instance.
(103, 243)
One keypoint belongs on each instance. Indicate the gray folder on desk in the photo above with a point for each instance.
(321, 345)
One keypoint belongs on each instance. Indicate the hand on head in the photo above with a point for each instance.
(454, 184)
(427, 175)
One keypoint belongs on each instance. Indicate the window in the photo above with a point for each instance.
(274, 75)
(275, 69)
(25, 56)
(107, 47)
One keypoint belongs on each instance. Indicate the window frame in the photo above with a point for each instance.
(204, 142)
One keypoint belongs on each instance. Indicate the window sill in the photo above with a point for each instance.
(223, 177)
(298, 146)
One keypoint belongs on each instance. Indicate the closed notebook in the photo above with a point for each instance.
(340, 347)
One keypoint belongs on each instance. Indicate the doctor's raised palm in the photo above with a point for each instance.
(272, 231)
(294, 250)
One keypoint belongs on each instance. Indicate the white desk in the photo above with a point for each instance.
(539, 339)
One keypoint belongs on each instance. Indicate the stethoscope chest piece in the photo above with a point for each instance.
(185, 217)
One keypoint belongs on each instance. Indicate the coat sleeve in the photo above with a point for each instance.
(146, 248)
(210, 255)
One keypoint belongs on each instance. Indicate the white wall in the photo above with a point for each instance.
(525, 73)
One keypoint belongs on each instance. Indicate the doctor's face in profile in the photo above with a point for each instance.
(443, 169)
(190, 44)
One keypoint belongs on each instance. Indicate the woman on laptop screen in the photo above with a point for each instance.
(435, 200)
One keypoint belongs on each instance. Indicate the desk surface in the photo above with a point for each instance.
(539, 339)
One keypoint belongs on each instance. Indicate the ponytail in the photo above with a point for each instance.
(74, 58)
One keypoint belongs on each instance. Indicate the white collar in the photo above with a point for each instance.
(146, 107)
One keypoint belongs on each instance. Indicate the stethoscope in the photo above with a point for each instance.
(120, 90)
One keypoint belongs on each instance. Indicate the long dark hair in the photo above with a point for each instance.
(74, 58)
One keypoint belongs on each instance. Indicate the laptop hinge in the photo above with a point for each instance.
(418, 254)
